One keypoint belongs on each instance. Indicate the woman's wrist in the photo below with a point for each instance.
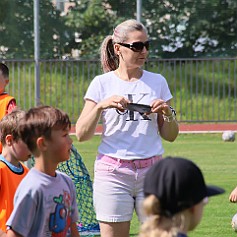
(99, 107)
(171, 116)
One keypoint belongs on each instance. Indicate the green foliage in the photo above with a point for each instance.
(3, 5)
(93, 21)
(175, 27)
(178, 29)
(17, 30)
(183, 29)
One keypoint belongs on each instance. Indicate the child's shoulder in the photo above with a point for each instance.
(63, 175)
(10, 168)
(6, 95)
(65, 178)
(2, 165)
(25, 167)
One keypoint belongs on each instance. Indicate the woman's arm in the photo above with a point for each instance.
(90, 115)
(86, 123)
(169, 130)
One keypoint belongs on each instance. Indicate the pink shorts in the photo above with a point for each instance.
(118, 187)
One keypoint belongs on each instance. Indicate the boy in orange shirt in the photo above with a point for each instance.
(12, 171)
(7, 102)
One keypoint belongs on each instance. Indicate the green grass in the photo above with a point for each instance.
(217, 160)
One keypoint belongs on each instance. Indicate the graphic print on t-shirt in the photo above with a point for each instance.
(60, 220)
(131, 114)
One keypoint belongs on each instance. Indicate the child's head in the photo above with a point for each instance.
(4, 76)
(4, 71)
(175, 193)
(9, 125)
(45, 125)
(10, 136)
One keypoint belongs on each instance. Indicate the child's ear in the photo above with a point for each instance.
(41, 144)
(9, 140)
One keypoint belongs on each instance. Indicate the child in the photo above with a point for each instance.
(45, 201)
(7, 102)
(11, 170)
(175, 193)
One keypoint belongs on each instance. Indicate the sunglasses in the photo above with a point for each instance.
(136, 46)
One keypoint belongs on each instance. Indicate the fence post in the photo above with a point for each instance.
(139, 10)
(37, 52)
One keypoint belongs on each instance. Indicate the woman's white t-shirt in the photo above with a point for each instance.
(129, 135)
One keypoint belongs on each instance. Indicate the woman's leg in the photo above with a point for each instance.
(118, 229)
(113, 191)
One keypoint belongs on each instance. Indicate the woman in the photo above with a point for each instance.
(131, 140)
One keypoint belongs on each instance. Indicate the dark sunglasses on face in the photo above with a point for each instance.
(136, 46)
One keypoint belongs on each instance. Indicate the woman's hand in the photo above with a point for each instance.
(115, 101)
(161, 107)
(90, 115)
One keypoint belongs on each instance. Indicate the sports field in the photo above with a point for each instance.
(218, 161)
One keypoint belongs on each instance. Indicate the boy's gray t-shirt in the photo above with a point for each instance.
(44, 205)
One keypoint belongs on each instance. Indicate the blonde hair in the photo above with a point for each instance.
(110, 60)
(158, 225)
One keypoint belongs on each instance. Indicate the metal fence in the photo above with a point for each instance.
(204, 90)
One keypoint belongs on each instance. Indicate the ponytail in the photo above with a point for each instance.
(109, 60)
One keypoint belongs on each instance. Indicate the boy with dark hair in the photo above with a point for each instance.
(7, 102)
(45, 201)
(12, 171)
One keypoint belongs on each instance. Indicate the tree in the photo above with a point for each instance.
(184, 29)
(92, 21)
(188, 28)
(3, 5)
(192, 28)
(17, 33)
